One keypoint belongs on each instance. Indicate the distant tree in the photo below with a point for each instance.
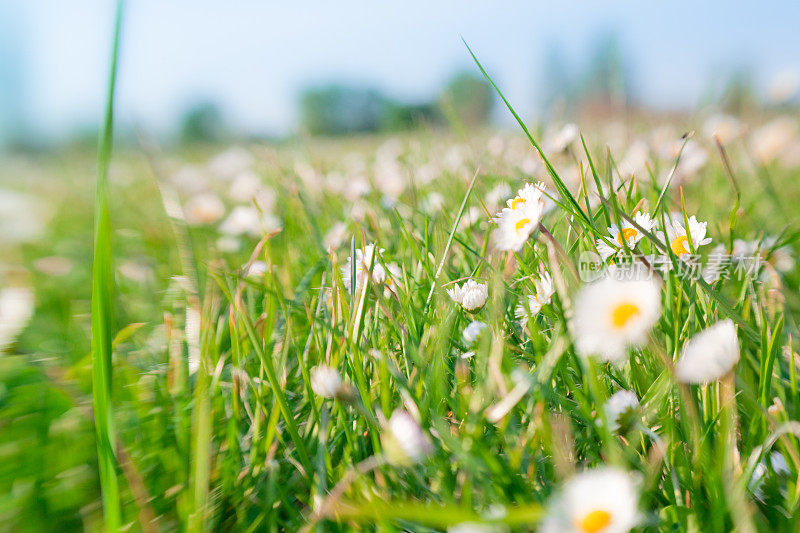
(203, 122)
(468, 97)
(341, 109)
(399, 117)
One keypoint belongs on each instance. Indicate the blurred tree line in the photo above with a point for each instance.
(337, 109)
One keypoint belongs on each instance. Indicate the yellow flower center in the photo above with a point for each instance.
(522, 222)
(595, 521)
(628, 234)
(516, 201)
(623, 313)
(679, 245)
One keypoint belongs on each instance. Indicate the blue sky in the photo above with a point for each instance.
(253, 56)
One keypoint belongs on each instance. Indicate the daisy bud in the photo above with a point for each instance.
(404, 441)
(709, 355)
(471, 295)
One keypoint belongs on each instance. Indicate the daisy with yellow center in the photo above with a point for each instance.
(604, 500)
(677, 238)
(614, 314)
(527, 196)
(627, 237)
(519, 220)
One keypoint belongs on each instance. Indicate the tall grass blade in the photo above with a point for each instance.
(102, 312)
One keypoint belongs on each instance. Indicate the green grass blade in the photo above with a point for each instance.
(102, 312)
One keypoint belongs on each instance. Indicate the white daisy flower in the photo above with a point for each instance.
(620, 407)
(326, 381)
(544, 293)
(473, 331)
(471, 295)
(520, 218)
(603, 500)
(529, 198)
(404, 441)
(709, 355)
(612, 314)
(514, 227)
(677, 239)
(628, 237)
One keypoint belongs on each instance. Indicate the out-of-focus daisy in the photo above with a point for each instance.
(603, 500)
(53, 265)
(709, 355)
(257, 269)
(783, 86)
(327, 382)
(335, 236)
(768, 141)
(364, 261)
(558, 141)
(716, 265)
(677, 239)
(228, 244)
(202, 209)
(498, 194)
(723, 127)
(628, 237)
(780, 258)
(404, 441)
(471, 295)
(391, 282)
(23, 217)
(388, 275)
(612, 314)
(432, 203)
(473, 331)
(621, 408)
(230, 163)
(16, 309)
(544, 292)
(247, 220)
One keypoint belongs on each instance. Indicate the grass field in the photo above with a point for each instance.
(224, 313)
(569, 329)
